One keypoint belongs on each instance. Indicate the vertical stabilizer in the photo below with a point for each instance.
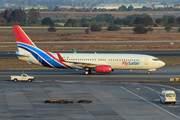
(22, 39)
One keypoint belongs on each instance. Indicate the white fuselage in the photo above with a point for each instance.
(116, 61)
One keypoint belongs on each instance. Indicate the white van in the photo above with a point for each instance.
(168, 96)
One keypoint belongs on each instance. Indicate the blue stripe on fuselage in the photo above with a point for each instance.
(38, 54)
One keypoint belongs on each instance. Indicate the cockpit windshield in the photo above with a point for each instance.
(155, 59)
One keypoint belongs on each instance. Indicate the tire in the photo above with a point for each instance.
(160, 101)
(29, 80)
(15, 80)
(86, 72)
(174, 103)
(148, 72)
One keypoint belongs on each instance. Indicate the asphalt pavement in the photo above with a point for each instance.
(161, 74)
(111, 101)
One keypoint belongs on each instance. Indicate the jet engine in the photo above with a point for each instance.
(103, 69)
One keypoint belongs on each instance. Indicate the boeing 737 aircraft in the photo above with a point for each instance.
(100, 63)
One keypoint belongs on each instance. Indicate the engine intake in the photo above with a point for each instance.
(103, 69)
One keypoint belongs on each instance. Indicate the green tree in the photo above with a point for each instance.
(171, 20)
(104, 18)
(113, 28)
(87, 31)
(7, 14)
(134, 16)
(76, 24)
(1, 14)
(137, 21)
(100, 24)
(18, 15)
(147, 21)
(83, 20)
(56, 9)
(122, 8)
(95, 28)
(140, 29)
(47, 21)
(165, 20)
(159, 20)
(52, 29)
(144, 8)
(33, 16)
(168, 28)
(127, 22)
(178, 20)
(87, 24)
(118, 21)
(130, 8)
(69, 23)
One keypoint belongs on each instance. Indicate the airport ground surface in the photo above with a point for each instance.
(161, 74)
(112, 101)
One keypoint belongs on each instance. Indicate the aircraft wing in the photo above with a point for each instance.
(83, 64)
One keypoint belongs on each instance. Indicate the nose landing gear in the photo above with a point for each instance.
(148, 72)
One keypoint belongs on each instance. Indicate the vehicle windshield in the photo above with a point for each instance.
(170, 95)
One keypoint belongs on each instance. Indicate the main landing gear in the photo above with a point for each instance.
(148, 72)
(88, 71)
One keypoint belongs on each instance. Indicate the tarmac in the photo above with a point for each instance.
(112, 101)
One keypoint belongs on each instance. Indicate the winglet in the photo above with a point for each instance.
(60, 58)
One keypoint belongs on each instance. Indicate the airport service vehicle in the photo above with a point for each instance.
(23, 77)
(100, 63)
(168, 96)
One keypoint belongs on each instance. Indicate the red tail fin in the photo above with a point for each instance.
(21, 36)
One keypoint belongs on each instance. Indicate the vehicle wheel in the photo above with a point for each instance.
(29, 80)
(86, 72)
(160, 101)
(174, 103)
(15, 80)
(148, 72)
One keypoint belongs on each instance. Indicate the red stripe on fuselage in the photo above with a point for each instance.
(56, 59)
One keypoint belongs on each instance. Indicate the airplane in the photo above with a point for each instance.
(98, 62)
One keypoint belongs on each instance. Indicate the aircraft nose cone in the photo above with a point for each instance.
(161, 63)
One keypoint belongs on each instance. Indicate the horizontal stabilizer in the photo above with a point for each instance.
(23, 55)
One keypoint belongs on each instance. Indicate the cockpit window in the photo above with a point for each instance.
(155, 59)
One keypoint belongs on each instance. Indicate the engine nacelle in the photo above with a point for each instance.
(103, 69)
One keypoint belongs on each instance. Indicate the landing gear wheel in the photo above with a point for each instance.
(148, 72)
(86, 72)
